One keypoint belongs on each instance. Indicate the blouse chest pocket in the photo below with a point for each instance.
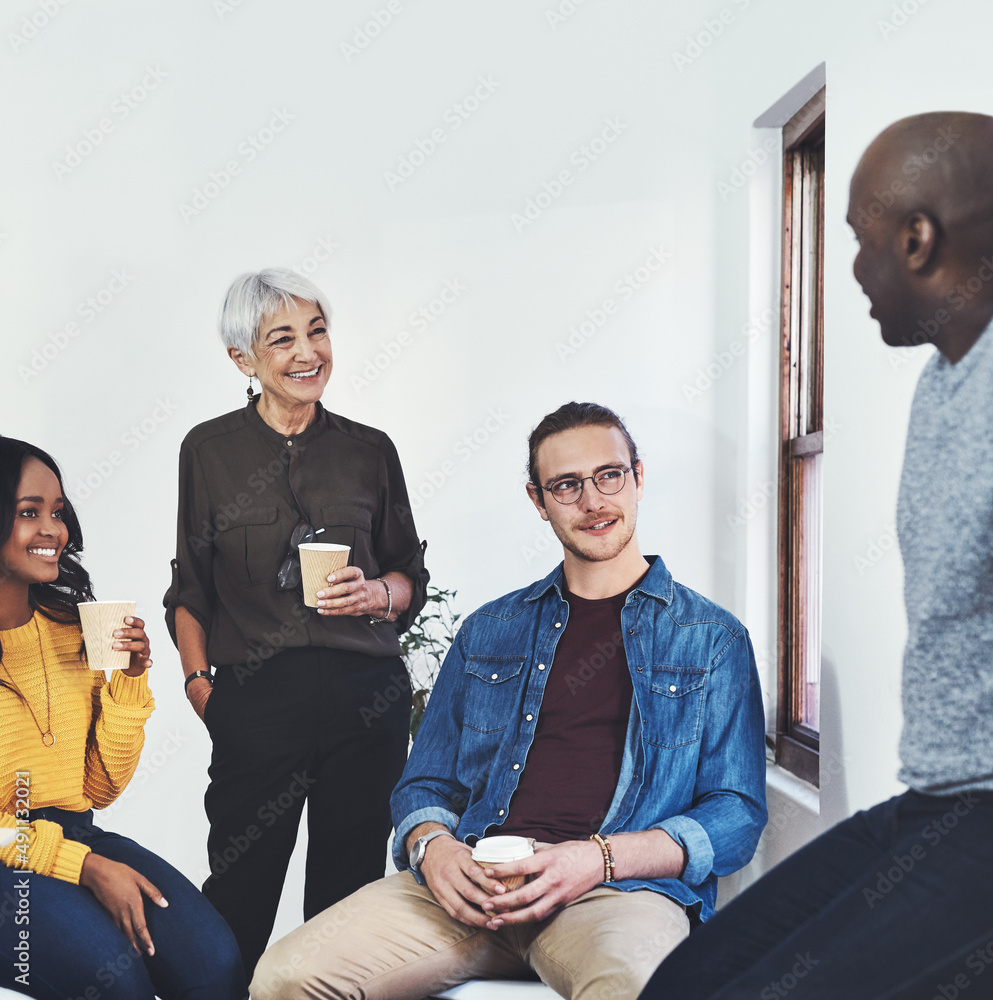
(492, 690)
(675, 707)
(254, 538)
(342, 521)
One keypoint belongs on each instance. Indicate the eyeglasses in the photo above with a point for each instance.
(607, 481)
(289, 574)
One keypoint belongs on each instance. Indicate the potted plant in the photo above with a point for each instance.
(424, 646)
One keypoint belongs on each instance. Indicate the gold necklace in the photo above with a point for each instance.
(47, 736)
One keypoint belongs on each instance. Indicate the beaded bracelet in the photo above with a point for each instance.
(373, 620)
(608, 858)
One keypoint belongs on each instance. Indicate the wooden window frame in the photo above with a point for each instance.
(801, 398)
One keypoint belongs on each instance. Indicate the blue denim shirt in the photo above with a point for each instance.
(694, 754)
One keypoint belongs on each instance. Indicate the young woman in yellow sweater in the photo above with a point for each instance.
(83, 912)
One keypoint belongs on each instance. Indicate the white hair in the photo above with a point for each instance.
(255, 295)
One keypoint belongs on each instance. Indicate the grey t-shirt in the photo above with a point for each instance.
(945, 522)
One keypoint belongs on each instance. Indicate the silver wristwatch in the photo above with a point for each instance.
(420, 845)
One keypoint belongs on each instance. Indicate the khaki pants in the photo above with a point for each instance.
(392, 941)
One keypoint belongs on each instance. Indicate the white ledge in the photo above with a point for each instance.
(793, 788)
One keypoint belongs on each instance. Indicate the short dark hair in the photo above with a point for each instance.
(565, 418)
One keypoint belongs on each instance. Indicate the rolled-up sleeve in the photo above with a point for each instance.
(721, 830)
(192, 584)
(395, 541)
(430, 787)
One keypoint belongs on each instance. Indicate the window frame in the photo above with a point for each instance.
(801, 438)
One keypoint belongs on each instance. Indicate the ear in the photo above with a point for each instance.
(245, 363)
(536, 497)
(918, 240)
(640, 471)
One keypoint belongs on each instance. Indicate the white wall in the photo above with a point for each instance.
(492, 363)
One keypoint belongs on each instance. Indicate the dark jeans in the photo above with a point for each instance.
(74, 949)
(895, 902)
(318, 725)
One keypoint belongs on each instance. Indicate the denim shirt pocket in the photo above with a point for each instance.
(491, 692)
(675, 705)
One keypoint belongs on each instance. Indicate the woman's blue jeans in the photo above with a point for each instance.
(76, 952)
(895, 902)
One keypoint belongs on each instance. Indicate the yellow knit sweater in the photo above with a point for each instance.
(98, 729)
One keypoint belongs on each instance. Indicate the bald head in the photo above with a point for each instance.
(939, 163)
(921, 205)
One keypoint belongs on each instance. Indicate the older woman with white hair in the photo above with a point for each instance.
(301, 704)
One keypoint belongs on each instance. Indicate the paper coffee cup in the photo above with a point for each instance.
(100, 619)
(498, 851)
(317, 561)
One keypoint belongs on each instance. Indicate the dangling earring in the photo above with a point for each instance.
(251, 395)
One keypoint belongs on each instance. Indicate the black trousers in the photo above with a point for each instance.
(324, 726)
(891, 904)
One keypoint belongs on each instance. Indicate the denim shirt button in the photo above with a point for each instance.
(517, 767)
(494, 677)
(640, 670)
(529, 717)
(501, 812)
(558, 624)
(541, 666)
(630, 631)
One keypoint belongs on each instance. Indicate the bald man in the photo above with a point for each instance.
(897, 901)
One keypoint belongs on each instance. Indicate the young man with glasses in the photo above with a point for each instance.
(606, 712)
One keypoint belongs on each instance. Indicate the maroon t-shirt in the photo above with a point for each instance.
(571, 771)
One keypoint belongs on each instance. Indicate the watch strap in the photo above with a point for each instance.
(197, 673)
(421, 845)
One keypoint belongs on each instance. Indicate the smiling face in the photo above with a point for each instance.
(596, 528)
(38, 534)
(292, 356)
(879, 223)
